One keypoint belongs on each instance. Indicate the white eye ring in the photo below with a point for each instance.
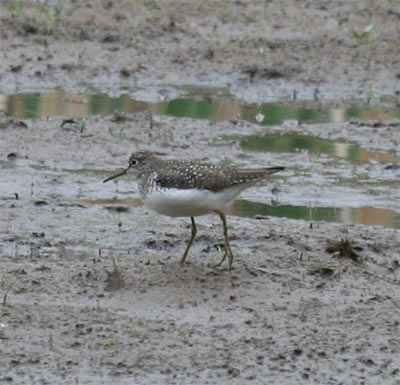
(133, 162)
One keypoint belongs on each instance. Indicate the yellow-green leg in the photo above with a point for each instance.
(194, 231)
(228, 251)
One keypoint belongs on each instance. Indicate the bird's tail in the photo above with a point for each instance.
(273, 170)
(254, 173)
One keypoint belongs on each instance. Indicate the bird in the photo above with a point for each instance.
(190, 188)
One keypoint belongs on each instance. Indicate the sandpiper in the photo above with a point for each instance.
(183, 188)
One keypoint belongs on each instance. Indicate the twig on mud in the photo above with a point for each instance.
(394, 282)
(10, 286)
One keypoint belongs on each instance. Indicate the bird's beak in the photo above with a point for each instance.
(117, 175)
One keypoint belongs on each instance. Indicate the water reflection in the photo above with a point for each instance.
(361, 215)
(200, 106)
(293, 142)
(243, 208)
(132, 202)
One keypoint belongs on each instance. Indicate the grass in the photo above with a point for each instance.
(9, 287)
(49, 11)
(371, 97)
(17, 8)
(365, 38)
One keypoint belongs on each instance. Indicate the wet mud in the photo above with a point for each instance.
(90, 284)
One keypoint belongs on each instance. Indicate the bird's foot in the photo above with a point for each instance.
(228, 253)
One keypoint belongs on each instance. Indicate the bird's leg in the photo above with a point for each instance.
(228, 251)
(194, 231)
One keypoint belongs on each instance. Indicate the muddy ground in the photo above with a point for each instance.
(92, 292)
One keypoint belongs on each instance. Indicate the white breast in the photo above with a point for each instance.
(190, 202)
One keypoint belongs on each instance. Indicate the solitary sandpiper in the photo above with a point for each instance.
(183, 188)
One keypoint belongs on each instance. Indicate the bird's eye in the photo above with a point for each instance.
(133, 162)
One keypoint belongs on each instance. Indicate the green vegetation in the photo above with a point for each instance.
(371, 97)
(32, 24)
(17, 8)
(49, 11)
(365, 38)
(9, 287)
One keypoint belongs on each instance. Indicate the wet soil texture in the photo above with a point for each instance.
(90, 286)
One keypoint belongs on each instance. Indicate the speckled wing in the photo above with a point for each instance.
(204, 176)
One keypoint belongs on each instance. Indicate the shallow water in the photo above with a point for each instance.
(361, 215)
(198, 104)
(294, 142)
(245, 208)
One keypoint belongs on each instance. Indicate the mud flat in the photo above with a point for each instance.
(90, 286)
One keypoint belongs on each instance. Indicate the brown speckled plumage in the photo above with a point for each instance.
(185, 174)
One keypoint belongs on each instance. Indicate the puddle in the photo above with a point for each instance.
(243, 208)
(132, 202)
(349, 215)
(198, 105)
(294, 142)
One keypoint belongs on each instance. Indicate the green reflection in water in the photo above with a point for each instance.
(293, 142)
(289, 142)
(361, 215)
(99, 103)
(197, 109)
(275, 114)
(199, 106)
(251, 209)
(243, 208)
(29, 104)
